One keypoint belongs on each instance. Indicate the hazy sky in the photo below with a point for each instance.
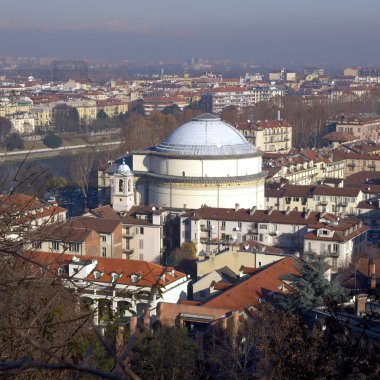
(262, 31)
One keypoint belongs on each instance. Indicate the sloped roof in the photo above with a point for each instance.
(249, 292)
(149, 273)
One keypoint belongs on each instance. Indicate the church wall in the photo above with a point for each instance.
(205, 167)
(194, 196)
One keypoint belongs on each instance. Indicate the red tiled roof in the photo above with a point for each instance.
(249, 292)
(150, 273)
(339, 137)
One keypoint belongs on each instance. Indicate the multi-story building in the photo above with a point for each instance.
(339, 241)
(112, 107)
(79, 236)
(115, 286)
(362, 126)
(20, 213)
(143, 231)
(340, 201)
(268, 135)
(87, 109)
(217, 99)
(23, 123)
(212, 229)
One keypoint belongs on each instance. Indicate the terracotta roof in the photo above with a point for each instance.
(336, 191)
(263, 124)
(149, 273)
(338, 234)
(362, 177)
(261, 216)
(339, 137)
(260, 285)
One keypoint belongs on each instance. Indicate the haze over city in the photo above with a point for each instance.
(330, 32)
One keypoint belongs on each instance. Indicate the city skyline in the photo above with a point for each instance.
(331, 32)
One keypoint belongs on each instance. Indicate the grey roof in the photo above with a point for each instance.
(206, 135)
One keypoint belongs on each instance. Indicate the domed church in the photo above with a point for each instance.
(203, 162)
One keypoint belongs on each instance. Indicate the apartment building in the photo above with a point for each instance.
(144, 231)
(338, 241)
(356, 162)
(268, 135)
(109, 285)
(20, 213)
(112, 107)
(341, 201)
(217, 99)
(79, 236)
(23, 123)
(214, 229)
(362, 126)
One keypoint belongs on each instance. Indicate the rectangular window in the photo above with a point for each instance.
(74, 247)
(141, 256)
(141, 244)
(140, 230)
(223, 225)
(104, 238)
(104, 251)
(36, 245)
(55, 245)
(261, 238)
(263, 226)
(240, 225)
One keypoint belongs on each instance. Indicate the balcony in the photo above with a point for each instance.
(128, 251)
(205, 228)
(323, 203)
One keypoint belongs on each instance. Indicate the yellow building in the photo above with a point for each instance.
(268, 135)
(112, 107)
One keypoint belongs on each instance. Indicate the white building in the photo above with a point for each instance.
(339, 241)
(117, 286)
(203, 162)
(23, 123)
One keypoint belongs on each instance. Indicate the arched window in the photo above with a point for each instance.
(129, 185)
(121, 185)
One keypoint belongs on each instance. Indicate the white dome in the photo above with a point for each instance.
(123, 169)
(206, 135)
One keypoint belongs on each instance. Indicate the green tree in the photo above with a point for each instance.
(311, 287)
(55, 183)
(52, 141)
(73, 119)
(168, 354)
(172, 110)
(5, 128)
(101, 115)
(14, 141)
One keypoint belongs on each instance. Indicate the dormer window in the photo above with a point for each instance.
(135, 278)
(97, 275)
(115, 276)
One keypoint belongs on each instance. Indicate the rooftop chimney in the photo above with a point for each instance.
(237, 206)
(252, 210)
(372, 273)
